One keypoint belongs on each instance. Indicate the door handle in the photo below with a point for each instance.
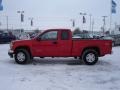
(54, 42)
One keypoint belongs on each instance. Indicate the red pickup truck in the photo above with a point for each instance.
(59, 43)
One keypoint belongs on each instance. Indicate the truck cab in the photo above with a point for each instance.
(53, 43)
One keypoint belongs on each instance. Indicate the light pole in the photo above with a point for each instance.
(22, 18)
(31, 21)
(73, 22)
(83, 15)
(21, 15)
(104, 24)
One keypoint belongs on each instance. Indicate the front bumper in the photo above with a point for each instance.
(10, 53)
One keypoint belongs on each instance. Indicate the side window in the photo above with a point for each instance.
(52, 35)
(65, 35)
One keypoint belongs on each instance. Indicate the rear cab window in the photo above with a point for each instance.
(64, 35)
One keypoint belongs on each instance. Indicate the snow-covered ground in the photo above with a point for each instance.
(59, 73)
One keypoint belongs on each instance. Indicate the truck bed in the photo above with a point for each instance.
(104, 46)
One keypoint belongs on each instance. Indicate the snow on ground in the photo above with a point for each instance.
(59, 73)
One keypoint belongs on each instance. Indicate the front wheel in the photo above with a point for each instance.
(90, 57)
(22, 56)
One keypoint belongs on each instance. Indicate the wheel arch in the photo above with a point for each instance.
(92, 48)
(24, 47)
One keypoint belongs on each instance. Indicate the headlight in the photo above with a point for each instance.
(11, 45)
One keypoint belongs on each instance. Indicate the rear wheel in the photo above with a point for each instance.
(90, 57)
(22, 56)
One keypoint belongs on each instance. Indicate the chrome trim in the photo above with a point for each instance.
(11, 51)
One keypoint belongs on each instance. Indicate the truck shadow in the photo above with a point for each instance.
(54, 61)
(63, 61)
(66, 61)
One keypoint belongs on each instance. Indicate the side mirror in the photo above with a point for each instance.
(38, 39)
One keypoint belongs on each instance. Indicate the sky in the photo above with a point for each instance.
(57, 13)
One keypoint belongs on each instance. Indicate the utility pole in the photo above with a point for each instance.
(115, 25)
(7, 22)
(104, 24)
(92, 26)
(90, 22)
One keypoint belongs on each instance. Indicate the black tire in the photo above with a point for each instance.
(26, 58)
(90, 57)
(75, 57)
(42, 57)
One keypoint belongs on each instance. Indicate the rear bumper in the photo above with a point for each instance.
(10, 53)
(111, 52)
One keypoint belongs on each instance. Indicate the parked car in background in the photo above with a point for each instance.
(33, 35)
(23, 36)
(108, 38)
(116, 39)
(6, 37)
(82, 36)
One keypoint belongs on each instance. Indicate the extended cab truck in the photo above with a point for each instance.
(59, 43)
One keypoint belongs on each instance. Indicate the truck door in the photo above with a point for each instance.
(47, 45)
